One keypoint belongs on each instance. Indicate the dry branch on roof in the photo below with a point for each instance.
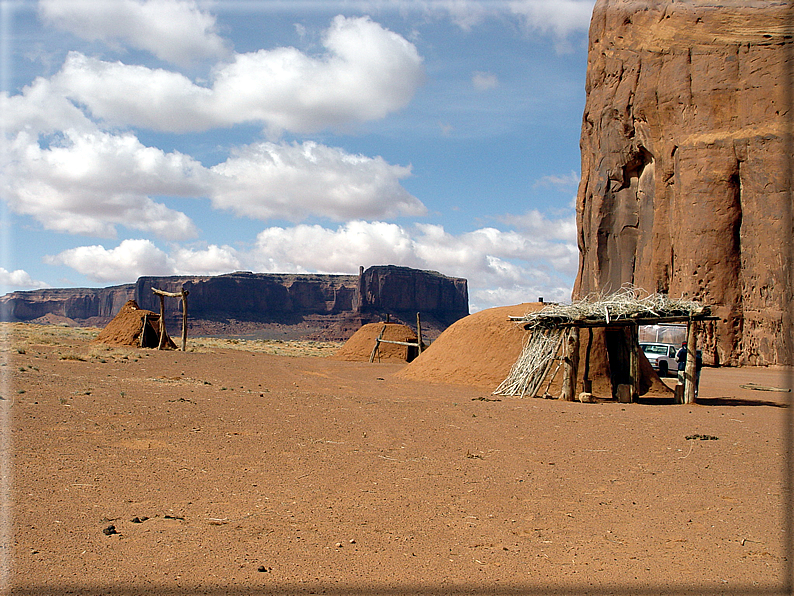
(626, 304)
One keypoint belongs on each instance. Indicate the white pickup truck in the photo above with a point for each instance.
(661, 357)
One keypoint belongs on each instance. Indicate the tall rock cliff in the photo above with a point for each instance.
(684, 184)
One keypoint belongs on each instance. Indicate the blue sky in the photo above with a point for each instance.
(165, 137)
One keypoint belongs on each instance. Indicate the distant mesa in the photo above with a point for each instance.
(263, 305)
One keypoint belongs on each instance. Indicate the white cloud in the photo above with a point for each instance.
(343, 250)
(126, 262)
(134, 258)
(483, 81)
(177, 31)
(366, 73)
(19, 280)
(90, 182)
(86, 181)
(294, 180)
(534, 222)
(213, 260)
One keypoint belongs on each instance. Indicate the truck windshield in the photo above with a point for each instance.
(654, 349)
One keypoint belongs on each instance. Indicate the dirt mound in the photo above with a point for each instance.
(359, 347)
(126, 327)
(53, 319)
(477, 350)
(481, 349)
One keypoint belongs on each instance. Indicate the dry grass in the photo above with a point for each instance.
(317, 349)
(19, 336)
(75, 341)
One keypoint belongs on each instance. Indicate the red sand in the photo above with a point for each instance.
(232, 472)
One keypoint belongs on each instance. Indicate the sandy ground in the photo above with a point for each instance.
(233, 472)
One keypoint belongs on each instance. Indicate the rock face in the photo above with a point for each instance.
(306, 305)
(81, 304)
(684, 186)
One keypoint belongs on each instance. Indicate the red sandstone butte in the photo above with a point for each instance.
(684, 184)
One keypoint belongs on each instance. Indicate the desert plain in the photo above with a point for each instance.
(269, 468)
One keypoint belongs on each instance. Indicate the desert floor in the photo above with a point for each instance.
(229, 471)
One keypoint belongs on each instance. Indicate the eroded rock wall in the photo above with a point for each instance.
(302, 305)
(684, 184)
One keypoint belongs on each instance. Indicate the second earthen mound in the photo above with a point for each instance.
(477, 350)
(359, 347)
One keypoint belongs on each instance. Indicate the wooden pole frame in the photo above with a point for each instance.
(379, 340)
(181, 295)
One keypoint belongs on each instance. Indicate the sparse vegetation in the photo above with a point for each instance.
(19, 337)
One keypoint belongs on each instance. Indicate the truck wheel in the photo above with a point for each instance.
(662, 369)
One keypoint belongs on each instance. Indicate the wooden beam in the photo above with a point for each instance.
(691, 355)
(169, 294)
(399, 343)
(184, 294)
(377, 343)
(161, 343)
(634, 361)
(143, 329)
(624, 322)
(419, 332)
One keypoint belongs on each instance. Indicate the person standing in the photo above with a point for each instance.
(680, 357)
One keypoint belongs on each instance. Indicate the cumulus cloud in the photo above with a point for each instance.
(340, 250)
(294, 180)
(128, 261)
(87, 181)
(19, 280)
(90, 182)
(535, 222)
(365, 73)
(134, 258)
(177, 31)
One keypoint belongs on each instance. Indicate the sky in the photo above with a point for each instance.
(183, 137)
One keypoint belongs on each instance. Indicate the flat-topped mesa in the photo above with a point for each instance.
(327, 306)
(684, 188)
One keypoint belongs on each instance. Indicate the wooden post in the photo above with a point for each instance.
(143, 329)
(184, 318)
(570, 365)
(587, 383)
(691, 354)
(161, 343)
(377, 344)
(634, 361)
(419, 332)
